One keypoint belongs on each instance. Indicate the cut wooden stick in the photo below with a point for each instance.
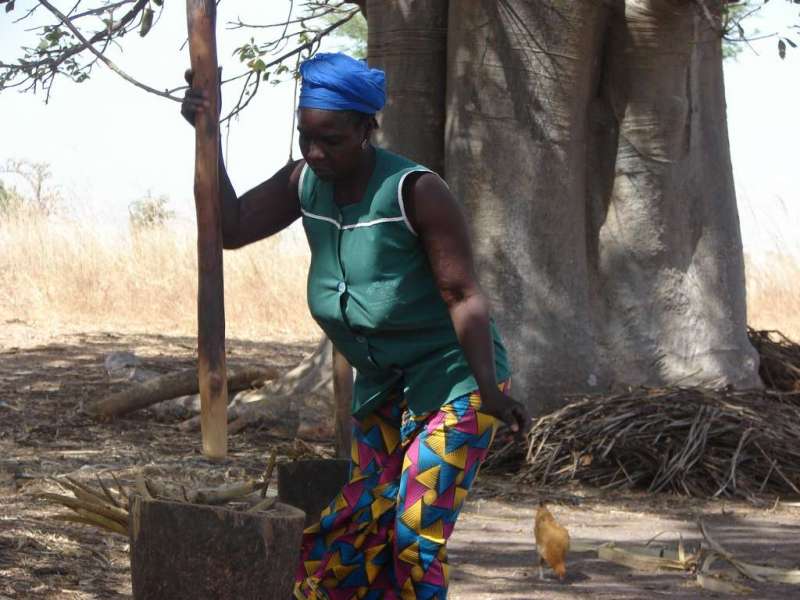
(264, 505)
(268, 473)
(642, 561)
(104, 510)
(221, 495)
(121, 489)
(107, 492)
(95, 520)
(81, 492)
(201, 19)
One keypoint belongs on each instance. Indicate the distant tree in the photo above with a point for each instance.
(149, 212)
(9, 201)
(43, 197)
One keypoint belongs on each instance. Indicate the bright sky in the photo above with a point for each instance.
(109, 144)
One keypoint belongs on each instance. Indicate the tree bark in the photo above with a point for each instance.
(670, 272)
(408, 40)
(187, 551)
(201, 18)
(521, 77)
(310, 485)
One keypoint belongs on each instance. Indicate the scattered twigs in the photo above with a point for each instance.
(752, 571)
(700, 561)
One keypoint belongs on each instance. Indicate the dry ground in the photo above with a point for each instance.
(45, 376)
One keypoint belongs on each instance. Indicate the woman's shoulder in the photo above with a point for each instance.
(397, 163)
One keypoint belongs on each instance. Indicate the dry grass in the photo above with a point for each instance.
(773, 293)
(56, 272)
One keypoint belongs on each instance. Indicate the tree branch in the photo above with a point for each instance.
(86, 43)
(309, 45)
(89, 46)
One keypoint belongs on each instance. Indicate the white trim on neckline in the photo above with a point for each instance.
(300, 184)
(375, 222)
(338, 225)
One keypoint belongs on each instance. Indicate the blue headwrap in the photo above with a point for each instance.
(335, 81)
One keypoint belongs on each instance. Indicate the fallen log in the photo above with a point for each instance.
(299, 402)
(172, 385)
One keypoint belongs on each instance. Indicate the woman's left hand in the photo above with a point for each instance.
(503, 407)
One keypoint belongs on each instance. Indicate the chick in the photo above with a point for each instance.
(552, 542)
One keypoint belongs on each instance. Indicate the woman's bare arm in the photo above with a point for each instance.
(440, 223)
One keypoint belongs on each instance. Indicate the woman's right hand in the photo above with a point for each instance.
(194, 101)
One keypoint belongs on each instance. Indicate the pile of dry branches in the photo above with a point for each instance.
(780, 360)
(697, 442)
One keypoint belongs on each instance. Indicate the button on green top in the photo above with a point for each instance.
(372, 291)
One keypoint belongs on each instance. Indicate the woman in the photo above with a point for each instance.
(392, 284)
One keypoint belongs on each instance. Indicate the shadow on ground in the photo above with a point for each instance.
(43, 435)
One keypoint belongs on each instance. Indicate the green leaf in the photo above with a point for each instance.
(781, 48)
(147, 21)
(257, 65)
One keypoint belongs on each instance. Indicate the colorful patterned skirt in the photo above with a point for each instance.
(384, 536)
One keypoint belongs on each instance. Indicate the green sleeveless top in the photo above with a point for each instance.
(372, 291)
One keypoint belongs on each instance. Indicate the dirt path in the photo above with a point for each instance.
(494, 556)
(44, 379)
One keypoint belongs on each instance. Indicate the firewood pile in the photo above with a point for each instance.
(689, 441)
(780, 360)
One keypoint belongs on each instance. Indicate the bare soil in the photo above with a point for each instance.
(45, 377)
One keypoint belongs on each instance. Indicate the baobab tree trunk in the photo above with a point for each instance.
(521, 78)
(670, 269)
(408, 40)
(588, 142)
(594, 167)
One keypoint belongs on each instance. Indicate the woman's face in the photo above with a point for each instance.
(331, 142)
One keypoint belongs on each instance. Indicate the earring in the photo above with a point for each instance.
(364, 144)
